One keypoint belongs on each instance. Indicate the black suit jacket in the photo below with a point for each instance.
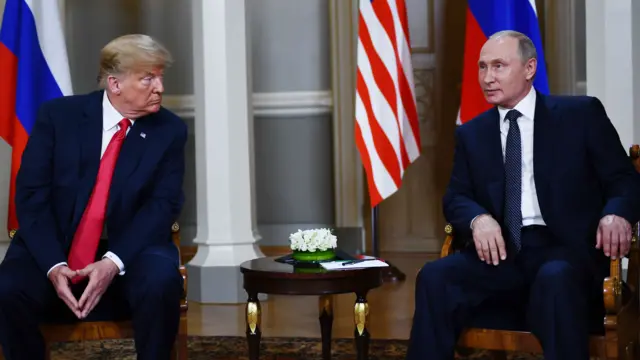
(581, 170)
(59, 169)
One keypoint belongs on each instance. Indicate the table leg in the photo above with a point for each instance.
(325, 305)
(254, 315)
(361, 318)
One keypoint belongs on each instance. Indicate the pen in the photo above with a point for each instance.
(355, 261)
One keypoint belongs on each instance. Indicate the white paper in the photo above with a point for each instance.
(337, 265)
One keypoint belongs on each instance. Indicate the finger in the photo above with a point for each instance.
(85, 271)
(606, 241)
(599, 237)
(625, 244)
(493, 249)
(64, 292)
(615, 244)
(87, 293)
(485, 251)
(479, 250)
(501, 247)
(92, 302)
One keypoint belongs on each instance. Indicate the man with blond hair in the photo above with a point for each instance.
(99, 187)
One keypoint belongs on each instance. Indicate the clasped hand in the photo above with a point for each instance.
(100, 275)
(614, 236)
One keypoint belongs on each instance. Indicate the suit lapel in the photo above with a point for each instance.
(132, 150)
(89, 134)
(543, 146)
(495, 160)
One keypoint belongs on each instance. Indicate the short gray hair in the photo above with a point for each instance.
(526, 48)
(134, 52)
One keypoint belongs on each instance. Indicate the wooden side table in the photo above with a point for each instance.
(267, 276)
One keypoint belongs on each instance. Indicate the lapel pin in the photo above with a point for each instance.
(143, 135)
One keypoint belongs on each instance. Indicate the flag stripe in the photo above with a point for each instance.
(383, 12)
(35, 83)
(32, 50)
(380, 68)
(387, 130)
(410, 126)
(47, 21)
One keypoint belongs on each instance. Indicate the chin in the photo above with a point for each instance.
(153, 108)
(493, 99)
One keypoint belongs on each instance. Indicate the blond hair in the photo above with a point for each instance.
(134, 52)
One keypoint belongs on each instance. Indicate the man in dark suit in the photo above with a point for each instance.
(97, 192)
(542, 191)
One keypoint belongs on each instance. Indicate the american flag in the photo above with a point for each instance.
(387, 134)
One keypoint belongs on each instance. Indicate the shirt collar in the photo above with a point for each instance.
(526, 106)
(110, 116)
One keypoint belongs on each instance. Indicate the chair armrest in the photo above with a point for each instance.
(175, 236)
(447, 246)
(184, 305)
(615, 290)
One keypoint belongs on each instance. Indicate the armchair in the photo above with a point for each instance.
(621, 327)
(119, 329)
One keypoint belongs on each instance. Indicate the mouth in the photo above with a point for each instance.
(491, 92)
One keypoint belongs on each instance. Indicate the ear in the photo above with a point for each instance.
(114, 84)
(530, 68)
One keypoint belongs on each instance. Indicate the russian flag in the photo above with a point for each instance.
(34, 68)
(484, 18)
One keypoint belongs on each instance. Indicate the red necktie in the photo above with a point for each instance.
(87, 236)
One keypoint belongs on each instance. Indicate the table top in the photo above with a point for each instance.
(265, 275)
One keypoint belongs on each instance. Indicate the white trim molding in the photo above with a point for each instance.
(274, 104)
(294, 103)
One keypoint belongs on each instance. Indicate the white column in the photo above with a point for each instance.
(613, 55)
(226, 222)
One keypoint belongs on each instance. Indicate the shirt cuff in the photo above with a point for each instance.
(55, 266)
(113, 257)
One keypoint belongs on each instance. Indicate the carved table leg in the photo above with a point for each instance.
(325, 305)
(361, 318)
(253, 326)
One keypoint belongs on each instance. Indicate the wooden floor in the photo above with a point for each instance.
(390, 308)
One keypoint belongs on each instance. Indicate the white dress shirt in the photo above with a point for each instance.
(531, 214)
(110, 119)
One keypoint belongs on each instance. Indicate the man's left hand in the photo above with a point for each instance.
(100, 274)
(614, 236)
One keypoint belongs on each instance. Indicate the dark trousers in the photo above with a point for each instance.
(151, 288)
(552, 282)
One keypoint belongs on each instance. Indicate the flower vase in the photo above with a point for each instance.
(315, 256)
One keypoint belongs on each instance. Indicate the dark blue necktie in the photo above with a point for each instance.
(513, 181)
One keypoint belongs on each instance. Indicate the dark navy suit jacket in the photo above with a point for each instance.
(581, 171)
(59, 168)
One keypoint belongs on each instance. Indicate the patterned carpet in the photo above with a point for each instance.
(234, 348)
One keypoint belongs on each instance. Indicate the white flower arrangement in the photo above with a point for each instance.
(313, 240)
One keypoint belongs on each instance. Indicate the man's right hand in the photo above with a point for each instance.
(60, 276)
(487, 237)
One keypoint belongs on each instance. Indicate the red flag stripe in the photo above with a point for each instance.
(387, 129)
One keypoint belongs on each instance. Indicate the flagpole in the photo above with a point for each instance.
(390, 273)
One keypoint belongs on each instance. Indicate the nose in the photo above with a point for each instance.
(488, 77)
(159, 85)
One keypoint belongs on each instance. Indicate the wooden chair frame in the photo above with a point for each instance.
(621, 302)
(110, 330)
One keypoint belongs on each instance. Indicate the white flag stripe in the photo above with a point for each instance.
(397, 121)
(51, 39)
(381, 108)
(382, 179)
